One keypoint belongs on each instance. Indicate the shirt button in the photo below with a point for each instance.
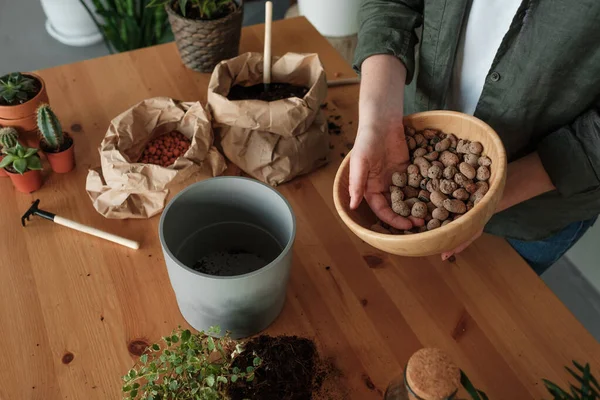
(494, 76)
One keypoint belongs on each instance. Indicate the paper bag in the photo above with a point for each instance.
(122, 187)
(271, 141)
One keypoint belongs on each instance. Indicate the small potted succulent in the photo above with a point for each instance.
(206, 31)
(20, 95)
(24, 167)
(56, 144)
(8, 139)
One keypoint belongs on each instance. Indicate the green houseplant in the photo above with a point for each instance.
(8, 139)
(206, 31)
(130, 24)
(187, 366)
(585, 388)
(20, 94)
(57, 145)
(24, 168)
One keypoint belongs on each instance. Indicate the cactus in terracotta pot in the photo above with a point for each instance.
(57, 145)
(8, 138)
(50, 128)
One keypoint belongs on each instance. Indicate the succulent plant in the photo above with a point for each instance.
(8, 138)
(21, 159)
(16, 88)
(49, 127)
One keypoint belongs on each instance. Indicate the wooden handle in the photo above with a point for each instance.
(267, 55)
(341, 82)
(96, 232)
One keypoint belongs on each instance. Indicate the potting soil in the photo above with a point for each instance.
(277, 91)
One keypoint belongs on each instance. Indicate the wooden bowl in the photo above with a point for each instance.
(445, 238)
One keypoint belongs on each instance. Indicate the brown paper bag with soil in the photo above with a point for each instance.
(124, 188)
(278, 140)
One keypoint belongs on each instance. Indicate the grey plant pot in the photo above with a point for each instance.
(242, 304)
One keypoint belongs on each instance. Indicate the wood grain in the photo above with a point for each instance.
(76, 311)
(448, 237)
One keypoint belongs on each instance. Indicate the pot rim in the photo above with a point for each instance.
(238, 10)
(57, 152)
(284, 251)
(23, 174)
(42, 90)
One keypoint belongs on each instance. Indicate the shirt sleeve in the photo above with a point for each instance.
(388, 27)
(571, 154)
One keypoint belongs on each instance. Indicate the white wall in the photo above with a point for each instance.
(585, 255)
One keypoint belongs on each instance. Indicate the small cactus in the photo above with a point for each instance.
(49, 126)
(8, 137)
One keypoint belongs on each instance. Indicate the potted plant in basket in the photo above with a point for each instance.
(57, 145)
(8, 139)
(24, 167)
(20, 95)
(206, 31)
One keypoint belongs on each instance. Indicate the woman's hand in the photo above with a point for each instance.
(380, 148)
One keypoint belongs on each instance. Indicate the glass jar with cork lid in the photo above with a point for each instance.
(430, 374)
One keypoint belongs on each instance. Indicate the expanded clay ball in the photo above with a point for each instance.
(396, 194)
(475, 148)
(401, 208)
(400, 179)
(467, 170)
(419, 210)
(449, 159)
(483, 173)
(440, 213)
(378, 228)
(412, 169)
(449, 172)
(433, 224)
(447, 178)
(434, 172)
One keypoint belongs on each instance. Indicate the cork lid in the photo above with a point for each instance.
(431, 375)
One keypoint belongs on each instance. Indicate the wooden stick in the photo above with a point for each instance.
(96, 232)
(267, 52)
(341, 82)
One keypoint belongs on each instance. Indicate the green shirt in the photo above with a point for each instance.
(542, 92)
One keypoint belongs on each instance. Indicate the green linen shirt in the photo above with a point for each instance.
(542, 92)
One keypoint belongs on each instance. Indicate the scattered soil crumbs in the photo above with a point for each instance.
(334, 128)
(277, 91)
(291, 370)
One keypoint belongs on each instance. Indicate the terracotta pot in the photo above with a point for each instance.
(3, 173)
(22, 116)
(29, 182)
(61, 162)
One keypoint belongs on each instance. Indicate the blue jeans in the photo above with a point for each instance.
(541, 254)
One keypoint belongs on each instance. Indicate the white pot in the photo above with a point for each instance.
(69, 22)
(333, 18)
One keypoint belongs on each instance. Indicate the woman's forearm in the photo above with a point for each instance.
(381, 75)
(526, 178)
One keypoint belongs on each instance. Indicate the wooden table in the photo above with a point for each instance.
(75, 310)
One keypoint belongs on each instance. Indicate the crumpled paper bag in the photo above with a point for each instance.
(123, 188)
(271, 141)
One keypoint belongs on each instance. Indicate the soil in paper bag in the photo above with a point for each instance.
(277, 91)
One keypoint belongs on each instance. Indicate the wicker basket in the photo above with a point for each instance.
(203, 44)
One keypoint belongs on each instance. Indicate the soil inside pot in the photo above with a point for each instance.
(290, 369)
(192, 12)
(68, 142)
(229, 249)
(277, 91)
(37, 85)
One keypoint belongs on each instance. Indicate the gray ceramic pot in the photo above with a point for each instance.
(227, 244)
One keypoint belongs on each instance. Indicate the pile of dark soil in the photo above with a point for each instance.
(290, 369)
(277, 91)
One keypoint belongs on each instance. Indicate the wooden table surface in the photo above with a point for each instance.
(74, 310)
